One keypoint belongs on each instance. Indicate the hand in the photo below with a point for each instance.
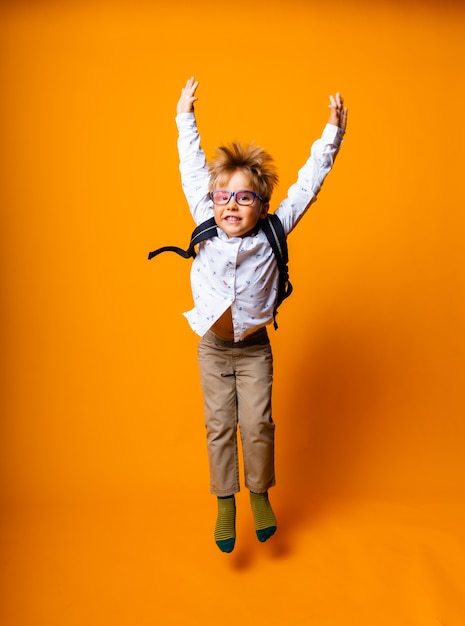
(338, 115)
(187, 99)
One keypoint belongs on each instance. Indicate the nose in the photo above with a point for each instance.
(232, 204)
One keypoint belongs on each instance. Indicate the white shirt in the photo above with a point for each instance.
(241, 273)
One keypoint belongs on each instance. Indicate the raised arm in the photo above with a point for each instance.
(312, 175)
(192, 163)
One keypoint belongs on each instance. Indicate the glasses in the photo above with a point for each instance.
(244, 198)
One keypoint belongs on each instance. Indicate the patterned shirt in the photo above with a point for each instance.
(241, 272)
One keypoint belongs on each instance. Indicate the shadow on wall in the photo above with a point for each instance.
(326, 424)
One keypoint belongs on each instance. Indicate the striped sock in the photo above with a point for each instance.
(225, 529)
(264, 519)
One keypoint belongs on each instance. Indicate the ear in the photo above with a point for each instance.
(264, 210)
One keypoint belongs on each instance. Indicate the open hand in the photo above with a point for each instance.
(187, 99)
(338, 115)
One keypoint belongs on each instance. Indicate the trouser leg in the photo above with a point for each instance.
(254, 377)
(220, 407)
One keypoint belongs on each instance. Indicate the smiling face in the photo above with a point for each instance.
(234, 219)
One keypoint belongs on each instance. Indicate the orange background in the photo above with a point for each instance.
(106, 515)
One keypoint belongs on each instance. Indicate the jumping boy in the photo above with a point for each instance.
(234, 280)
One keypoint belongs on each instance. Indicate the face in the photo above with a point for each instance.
(236, 220)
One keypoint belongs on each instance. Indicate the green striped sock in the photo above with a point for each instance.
(264, 519)
(225, 529)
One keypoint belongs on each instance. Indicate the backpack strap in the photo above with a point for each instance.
(205, 230)
(274, 231)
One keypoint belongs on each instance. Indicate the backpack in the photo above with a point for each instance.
(276, 236)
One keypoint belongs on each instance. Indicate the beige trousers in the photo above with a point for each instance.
(236, 382)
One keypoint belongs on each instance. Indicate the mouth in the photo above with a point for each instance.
(232, 219)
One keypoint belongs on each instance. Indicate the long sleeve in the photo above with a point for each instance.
(311, 176)
(193, 168)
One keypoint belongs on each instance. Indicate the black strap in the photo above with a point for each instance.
(205, 230)
(274, 231)
(276, 236)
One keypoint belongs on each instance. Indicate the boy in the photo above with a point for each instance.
(234, 281)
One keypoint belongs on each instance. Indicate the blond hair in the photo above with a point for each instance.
(250, 159)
